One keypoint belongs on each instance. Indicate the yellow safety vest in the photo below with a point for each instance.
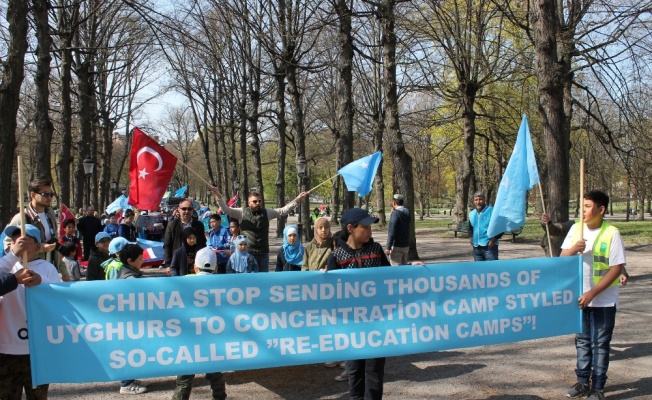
(601, 251)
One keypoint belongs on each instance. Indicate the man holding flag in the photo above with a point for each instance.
(485, 247)
(254, 222)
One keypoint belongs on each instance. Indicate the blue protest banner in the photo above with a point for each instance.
(139, 328)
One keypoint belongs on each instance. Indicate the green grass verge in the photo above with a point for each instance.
(633, 232)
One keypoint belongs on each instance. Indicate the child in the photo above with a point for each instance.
(184, 256)
(317, 251)
(220, 239)
(131, 258)
(290, 255)
(603, 255)
(16, 374)
(357, 249)
(67, 250)
(70, 235)
(113, 264)
(127, 229)
(205, 264)
(241, 261)
(95, 272)
(112, 226)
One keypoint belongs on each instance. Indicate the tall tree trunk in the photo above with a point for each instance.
(299, 142)
(43, 125)
(552, 73)
(345, 109)
(86, 91)
(10, 83)
(281, 123)
(401, 160)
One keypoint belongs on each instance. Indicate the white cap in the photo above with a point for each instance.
(206, 259)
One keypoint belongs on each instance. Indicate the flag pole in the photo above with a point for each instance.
(327, 180)
(193, 171)
(543, 206)
(21, 205)
(581, 199)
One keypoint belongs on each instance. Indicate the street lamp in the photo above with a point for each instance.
(236, 188)
(88, 164)
(301, 171)
(114, 188)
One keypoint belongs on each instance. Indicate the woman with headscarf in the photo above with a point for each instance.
(241, 261)
(317, 251)
(290, 255)
(183, 258)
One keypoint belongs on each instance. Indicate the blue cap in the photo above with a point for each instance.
(357, 216)
(102, 235)
(117, 244)
(30, 230)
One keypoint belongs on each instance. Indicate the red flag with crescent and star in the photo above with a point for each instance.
(150, 170)
(64, 214)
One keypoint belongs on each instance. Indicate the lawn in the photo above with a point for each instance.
(633, 232)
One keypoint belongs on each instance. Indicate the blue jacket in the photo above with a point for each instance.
(112, 230)
(479, 223)
(220, 240)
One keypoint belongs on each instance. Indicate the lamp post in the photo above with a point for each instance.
(301, 172)
(114, 189)
(236, 188)
(89, 165)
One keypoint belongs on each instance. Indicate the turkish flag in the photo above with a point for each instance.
(64, 214)
(150, 170)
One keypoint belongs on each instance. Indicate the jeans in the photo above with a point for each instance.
(485, 253)
(366, 378)
(263, 261)
(184, 386)
(594, 344)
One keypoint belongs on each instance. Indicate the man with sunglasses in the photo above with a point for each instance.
(254, 223)
(173, 239)
(38, 212)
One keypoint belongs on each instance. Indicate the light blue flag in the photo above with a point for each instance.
(359, 175)
(181, 192)
(520, 176)
(121, 202)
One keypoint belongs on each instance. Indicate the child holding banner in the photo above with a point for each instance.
(356, 249)
(290, 255)
(15, 367)
(205, 264)
(317, 251)
(603, 255)
(131, 257)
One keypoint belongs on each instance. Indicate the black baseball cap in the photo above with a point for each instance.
(357, 216)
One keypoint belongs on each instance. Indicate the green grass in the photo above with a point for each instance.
(633, 232)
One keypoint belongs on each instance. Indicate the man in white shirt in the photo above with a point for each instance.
(603, 254)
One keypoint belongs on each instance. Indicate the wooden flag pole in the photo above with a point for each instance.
(21, 205)
(327, 180)
(193, 171)
(581, 199)
(543, 206)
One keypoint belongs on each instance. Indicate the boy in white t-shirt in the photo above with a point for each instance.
(15, 368)
(603, 253)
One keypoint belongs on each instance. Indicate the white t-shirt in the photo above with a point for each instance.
(13, 316)
(609, 296)
(46, 225)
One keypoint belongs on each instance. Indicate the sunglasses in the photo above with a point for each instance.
(256, 201)
(241, 237)
(185, 208)
(46, 194)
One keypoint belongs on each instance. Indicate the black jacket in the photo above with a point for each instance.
(172, 239)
